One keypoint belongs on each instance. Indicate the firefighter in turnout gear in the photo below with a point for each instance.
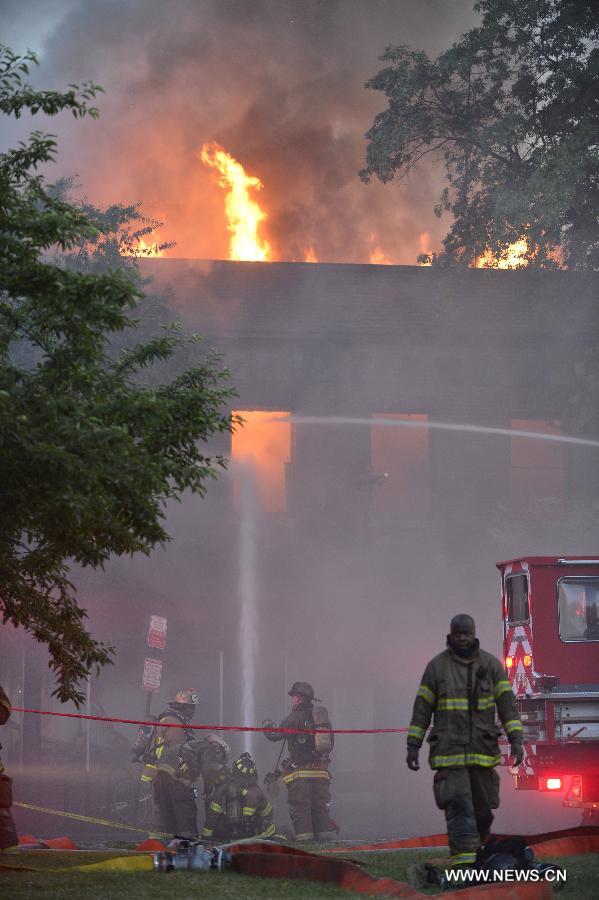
(8, 833)
(461, 690)
(238, 807)
(306, 772)
(156, 740)
(178, 769)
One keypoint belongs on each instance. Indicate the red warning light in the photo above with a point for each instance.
(509, 662)
(527, 659)
(553, 784)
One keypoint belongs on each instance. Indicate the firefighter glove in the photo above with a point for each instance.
(517, 751)
(412, 759)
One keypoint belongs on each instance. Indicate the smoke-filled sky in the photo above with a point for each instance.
(278, 83)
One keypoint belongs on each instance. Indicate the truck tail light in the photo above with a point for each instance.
(509, 662)
(553, 783)
(527, 659)
(576, 787)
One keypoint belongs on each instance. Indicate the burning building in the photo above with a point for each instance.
(387, 461)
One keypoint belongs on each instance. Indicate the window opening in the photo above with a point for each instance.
(516, 587)
(263, 443)
(537, 473)
(400, 468)
(578, 608)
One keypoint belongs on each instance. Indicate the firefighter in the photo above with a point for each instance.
(179, 767)
(306, 772)
(158, 740)
(8, 832)
(238, 806)
(461, 689)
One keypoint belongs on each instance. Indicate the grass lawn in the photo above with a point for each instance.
(583, 879)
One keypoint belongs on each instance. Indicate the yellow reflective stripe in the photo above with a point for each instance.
(305, 773)
(513, 725)
(268, 831)
(267, 810)
(207, 832)
(482, 759)
(426, 694)
(452, 703)
(150, 766)
(501, 688)
(458, 759)
(304, 836)
(215, 807)
(461, 859)
(485, 703)
(160, 750)
(249, 810)
(416, 731)
(143, 777)
(465, 759)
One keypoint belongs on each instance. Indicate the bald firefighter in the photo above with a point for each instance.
(238, 807)
(8, 833)
(462, 689)
(306, 772)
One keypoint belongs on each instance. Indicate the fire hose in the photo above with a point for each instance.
(244, 728)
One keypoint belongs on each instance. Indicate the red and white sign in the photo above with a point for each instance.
(157, 633)
(152, 674)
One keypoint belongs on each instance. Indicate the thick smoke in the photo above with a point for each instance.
(279, 83)
(347, 595)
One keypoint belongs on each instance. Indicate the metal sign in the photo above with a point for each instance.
(157, 633)
(152, 674)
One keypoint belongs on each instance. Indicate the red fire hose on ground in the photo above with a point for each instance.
(265, 859)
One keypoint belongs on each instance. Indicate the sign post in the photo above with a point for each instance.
(152, 673)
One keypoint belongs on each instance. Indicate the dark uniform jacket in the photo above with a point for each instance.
(304, 762)
(192, 760)
(301, 746)
(462, 695)
(253, 812)
(164, 738)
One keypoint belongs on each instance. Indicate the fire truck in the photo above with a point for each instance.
(551, 653)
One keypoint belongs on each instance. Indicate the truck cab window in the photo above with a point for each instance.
(578, 607)
(516, 587)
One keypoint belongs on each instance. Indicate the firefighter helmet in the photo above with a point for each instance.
(302, 689)
(220, 743)
(244, 768)
(187, 696)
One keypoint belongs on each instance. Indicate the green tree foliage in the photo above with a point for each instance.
(513, 111)
(92, 445)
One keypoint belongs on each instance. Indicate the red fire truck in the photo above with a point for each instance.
(551, 653)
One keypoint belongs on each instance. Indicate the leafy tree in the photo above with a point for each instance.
(512, 109)
(91, 450)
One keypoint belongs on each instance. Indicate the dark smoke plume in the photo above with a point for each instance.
(278, 83)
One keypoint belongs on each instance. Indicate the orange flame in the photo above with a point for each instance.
(378, 257)
(310, 255)
(141, 249)
(512, 258)
(243, 215)
(425, 240)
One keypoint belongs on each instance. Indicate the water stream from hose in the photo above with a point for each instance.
(248, 593)
(439, 426)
